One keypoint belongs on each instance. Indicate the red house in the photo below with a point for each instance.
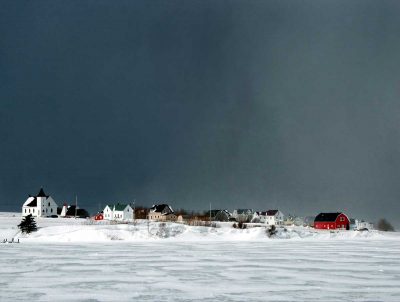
(332, 221)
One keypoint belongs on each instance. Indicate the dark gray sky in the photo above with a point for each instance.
(261, 104)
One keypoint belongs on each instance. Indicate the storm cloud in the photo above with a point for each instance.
(253, 104)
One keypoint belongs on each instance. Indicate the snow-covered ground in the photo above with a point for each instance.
(71, 260)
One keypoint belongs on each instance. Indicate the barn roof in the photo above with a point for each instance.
(327, 216)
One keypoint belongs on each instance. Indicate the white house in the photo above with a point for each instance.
(118, 212)
(272, 217)
(358, 225)
(161, 212)
(41, 205)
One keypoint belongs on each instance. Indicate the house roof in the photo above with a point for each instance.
(161, 208)
(79, 212)
(120, 207)
(272, 212)
(244, 211)
(41, 193)
(117, 207)
(327, 216)
(226, 212)
(216, 212)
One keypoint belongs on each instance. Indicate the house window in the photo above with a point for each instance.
(33, 210)
(51, 210)
(341, 218)
(49, 203)
(43, 211)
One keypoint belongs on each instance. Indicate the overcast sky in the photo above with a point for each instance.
(251, 104)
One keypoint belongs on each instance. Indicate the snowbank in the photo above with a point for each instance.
(83, 230)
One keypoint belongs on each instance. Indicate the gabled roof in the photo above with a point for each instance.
(268, 213)
(41, 193)
(120, 207)
(327, 216)
(272, 212)
(117, 207)
(161, 208)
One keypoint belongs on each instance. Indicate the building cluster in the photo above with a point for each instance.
(43, 205)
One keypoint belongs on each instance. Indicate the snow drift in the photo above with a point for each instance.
(81, 230)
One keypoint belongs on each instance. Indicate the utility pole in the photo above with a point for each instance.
(76, 205)
(210, 211)
(134, 209)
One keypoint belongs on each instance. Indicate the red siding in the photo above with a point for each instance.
(341, 222)
(98, 217)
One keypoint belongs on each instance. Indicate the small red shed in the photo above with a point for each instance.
(99, 216)
(332, 221)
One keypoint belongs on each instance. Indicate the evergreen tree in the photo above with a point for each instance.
(28, 224)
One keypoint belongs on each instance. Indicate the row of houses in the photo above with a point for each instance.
(164, 212)
(124, 212)
(43, 205)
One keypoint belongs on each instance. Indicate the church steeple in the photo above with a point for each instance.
(41, 193)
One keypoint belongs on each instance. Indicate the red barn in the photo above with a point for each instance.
(332, 221)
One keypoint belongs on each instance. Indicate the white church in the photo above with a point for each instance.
(41, 205)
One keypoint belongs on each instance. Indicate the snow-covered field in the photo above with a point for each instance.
(70, 260)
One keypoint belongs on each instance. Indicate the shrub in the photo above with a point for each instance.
(241, 225)
(271, 231)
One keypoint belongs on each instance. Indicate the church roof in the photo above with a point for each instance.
(33, 203)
